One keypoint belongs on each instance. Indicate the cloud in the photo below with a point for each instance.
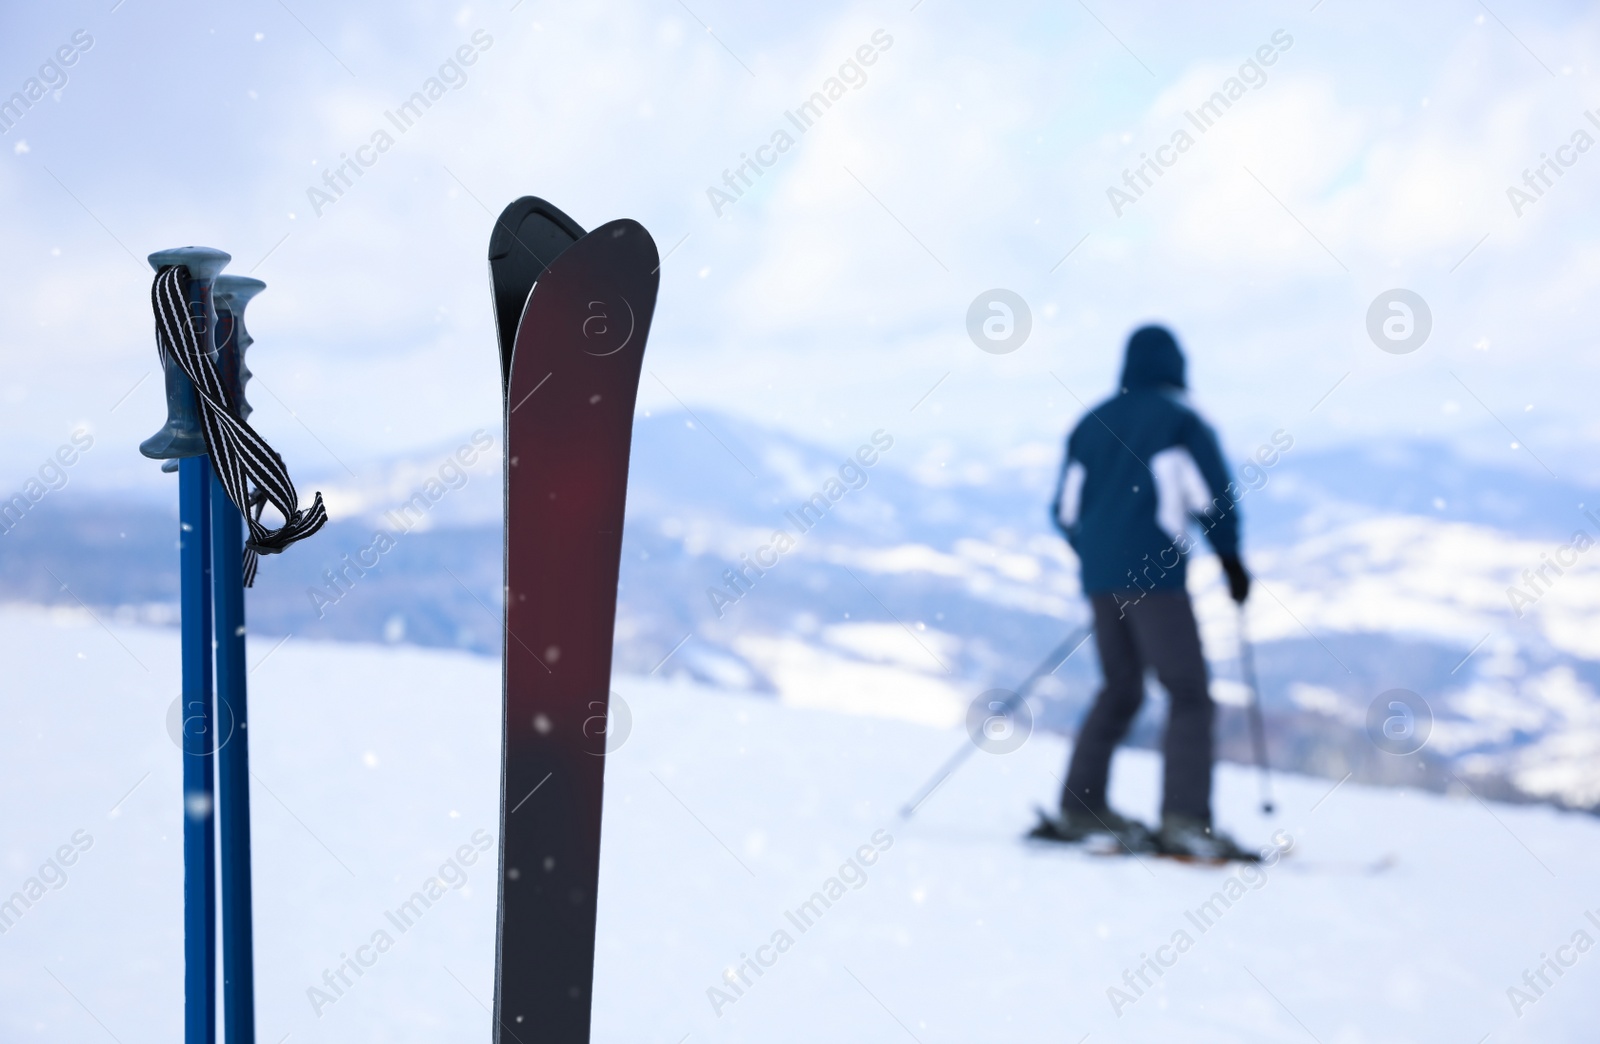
(976, 155)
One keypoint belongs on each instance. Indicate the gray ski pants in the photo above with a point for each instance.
(1157, 632)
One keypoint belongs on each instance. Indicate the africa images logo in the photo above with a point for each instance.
(1252, 74)
(852, 75)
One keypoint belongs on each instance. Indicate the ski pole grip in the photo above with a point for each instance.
(180, 436)
(231, 294)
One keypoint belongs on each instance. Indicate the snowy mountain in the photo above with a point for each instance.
(1396, 915)
(885, 579)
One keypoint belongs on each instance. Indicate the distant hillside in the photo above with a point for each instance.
(904, 583)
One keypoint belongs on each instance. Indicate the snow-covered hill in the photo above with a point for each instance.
(913, 576)
(725, 816)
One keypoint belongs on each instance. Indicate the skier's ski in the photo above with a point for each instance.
(1105, 846)
(529, 234)
(1047, 833)
(1045, 836)
(574, 374)
(1131, 836)
(1194, 860)
(1295, 864)
(1349, 867)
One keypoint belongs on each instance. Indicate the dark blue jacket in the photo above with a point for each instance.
(1138, 469)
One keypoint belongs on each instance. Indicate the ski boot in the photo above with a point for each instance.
(1083, 824)
(1192, 838)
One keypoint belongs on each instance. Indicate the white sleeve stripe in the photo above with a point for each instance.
(1071, 495)
(1181, 490)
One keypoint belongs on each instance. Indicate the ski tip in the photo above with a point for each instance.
(639, 237)
(518, 211)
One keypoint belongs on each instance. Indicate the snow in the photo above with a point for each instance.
(815, 677)
(377, 766)
(1408, 574)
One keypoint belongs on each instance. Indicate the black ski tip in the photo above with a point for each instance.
(529, 234)
(508, 228)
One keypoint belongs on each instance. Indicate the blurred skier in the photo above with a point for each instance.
(1139, 467)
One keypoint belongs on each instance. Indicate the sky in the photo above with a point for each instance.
(977, 151)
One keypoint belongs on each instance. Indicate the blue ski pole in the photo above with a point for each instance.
(180, 439)
(199, 730)
(233, 758)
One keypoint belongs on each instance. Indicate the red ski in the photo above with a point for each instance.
(574, 375)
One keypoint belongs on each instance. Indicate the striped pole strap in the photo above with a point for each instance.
(238, 455)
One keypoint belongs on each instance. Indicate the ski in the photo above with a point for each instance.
(1110, 848)
(1348, 867)
(1046, 832)
(529, 234)
(1105, 847)
(573, 377)
(1292, 863)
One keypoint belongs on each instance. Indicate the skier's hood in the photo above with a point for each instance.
(1153, 359)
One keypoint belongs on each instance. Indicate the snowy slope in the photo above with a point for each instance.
(724, 813)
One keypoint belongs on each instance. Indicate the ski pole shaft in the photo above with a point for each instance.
(233, 759)
(951, 764)
(233, 770)
(1258, 725)
(198, 732)
(1050, 665)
